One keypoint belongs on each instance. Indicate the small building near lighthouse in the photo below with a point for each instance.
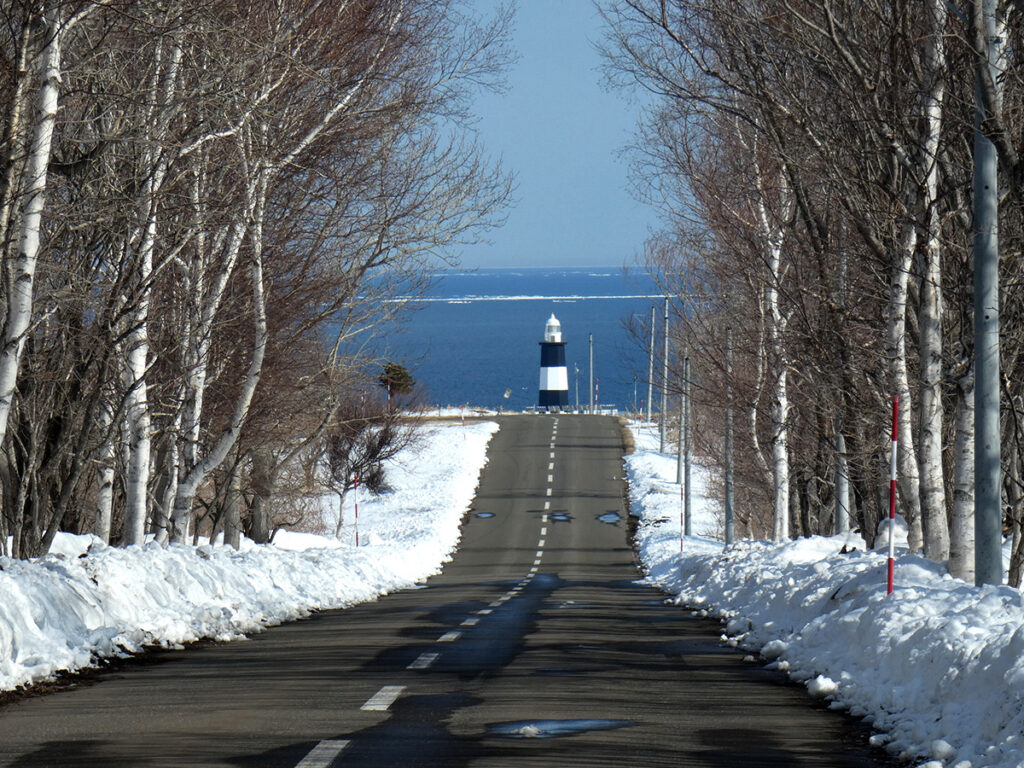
(554, 377)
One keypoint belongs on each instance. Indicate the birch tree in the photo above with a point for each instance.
(809, 73)
(207, 166)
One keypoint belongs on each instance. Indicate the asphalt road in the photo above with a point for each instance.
(535, 647)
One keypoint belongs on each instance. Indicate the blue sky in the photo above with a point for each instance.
(561, 132)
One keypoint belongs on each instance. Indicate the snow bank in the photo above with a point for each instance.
(85, 601)
(937, 668)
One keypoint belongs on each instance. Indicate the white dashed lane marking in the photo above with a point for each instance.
(384, 698)
(549, 492)
(323, 754)
(449, 637)
(471, 622)
(424, 660)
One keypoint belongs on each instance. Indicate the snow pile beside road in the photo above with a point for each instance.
(937, 668)
(86, 601)
(655, 498)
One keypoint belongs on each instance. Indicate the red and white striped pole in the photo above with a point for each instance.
(892, 492)
(355, 501)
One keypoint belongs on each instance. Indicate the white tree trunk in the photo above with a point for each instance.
(22, 270)
(961, 534)
(155, 166)
(752, 420)
(341, 512)
(139, 425)
(935, 526)
(772, 235)
(896, 349)
(189, 485)
(780, 453)
(105, 481)
(780, 400)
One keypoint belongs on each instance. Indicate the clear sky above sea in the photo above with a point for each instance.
(561, 132)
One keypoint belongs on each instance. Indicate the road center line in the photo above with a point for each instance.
(484, 611)
(323, 754)
(470, 622)
(423, 661)
(384, 698)
(449, 637)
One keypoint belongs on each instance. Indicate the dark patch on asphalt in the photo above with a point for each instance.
(570, 671)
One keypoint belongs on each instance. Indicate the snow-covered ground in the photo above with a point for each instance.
(86, 601)
(937, 667)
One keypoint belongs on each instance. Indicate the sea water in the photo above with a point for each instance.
(474, 339)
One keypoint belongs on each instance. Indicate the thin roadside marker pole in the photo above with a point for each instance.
(892, 493)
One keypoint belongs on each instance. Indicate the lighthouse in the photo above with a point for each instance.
(554, 378)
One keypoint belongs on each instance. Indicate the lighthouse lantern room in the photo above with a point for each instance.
(554, 377)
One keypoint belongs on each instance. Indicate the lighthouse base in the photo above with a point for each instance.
(553, 398)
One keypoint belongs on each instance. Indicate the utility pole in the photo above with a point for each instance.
(730, 526)
(842, 481)
(682, 422)
(664, 385)
(577, 367)
(650, 369)
(591, 383)
(687, 445)
(988, 515)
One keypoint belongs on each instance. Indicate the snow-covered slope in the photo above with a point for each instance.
(937, 667)
(85, 600)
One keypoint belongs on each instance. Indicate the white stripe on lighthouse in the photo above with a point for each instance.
(554, 378)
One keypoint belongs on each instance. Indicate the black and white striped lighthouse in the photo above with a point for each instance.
(554, 378)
